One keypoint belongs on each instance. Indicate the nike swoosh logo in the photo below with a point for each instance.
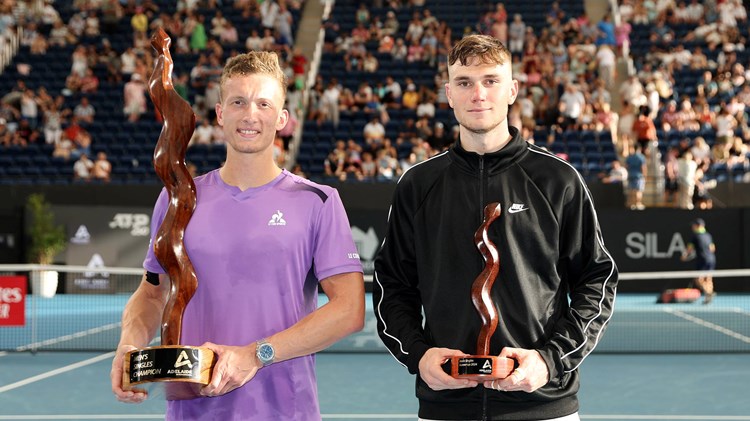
(517, 210)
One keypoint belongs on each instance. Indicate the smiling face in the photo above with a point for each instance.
(481, 87)
(250, 112)
(253, 89)
(480, 95)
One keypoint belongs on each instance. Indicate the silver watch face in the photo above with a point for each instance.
(265, 353)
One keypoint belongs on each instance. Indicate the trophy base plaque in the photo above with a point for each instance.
(184, 369)
(479, 367)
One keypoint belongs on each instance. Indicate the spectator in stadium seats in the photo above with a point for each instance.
(388, 165)
(606, 119)
(5, 134)
(198, 37)
(439, 140)
(670, 116)
(369, 168)
(617, 174)
(139, 21)
(644, 129)
(134, 95)
(572, 103)
(362, 15)
(374, 133)
(30, 108)
(725, 124)
(410, 99)
(606, 32)
(39, 45)
(89, 82)
(284, 21)
(701, 152)
(102, 169)
(670, 176)
(203, 134)
(266, 310)
(60, 36)
(353, 58)
(329, 103)
(686, 177)
(390, 25)
(415, 29)
(635, 164)
(400, 51)
(217, 23)
(369, 63)
(91, 29)
(517, 34)
(228, 34)
(53, 117)
(606, 64)
(254, 42)
(426, 107)
(82, 168)
(393, 93)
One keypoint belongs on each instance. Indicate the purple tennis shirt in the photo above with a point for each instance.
(252, 251)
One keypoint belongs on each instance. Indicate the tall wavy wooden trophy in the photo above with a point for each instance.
(184, 369)
(483, 366)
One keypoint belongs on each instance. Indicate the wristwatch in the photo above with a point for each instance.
(265, 352)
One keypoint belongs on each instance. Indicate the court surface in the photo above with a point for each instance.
(372, 386)
(661, 385)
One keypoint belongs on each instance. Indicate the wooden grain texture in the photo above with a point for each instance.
(169, 163)
(480, 289)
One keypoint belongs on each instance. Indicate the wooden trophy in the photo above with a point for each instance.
(184, 369)
(483, 366)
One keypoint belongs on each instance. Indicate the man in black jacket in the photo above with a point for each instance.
(556, 285)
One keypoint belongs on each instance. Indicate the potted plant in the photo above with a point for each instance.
(47, 239)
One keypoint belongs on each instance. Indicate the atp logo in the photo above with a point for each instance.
(137, 223)
(183, 360)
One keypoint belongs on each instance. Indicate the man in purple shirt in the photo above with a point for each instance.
(256, 233)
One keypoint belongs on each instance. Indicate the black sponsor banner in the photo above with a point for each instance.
(102, 236)
(640, 241)
(368, 230)
(654, 239)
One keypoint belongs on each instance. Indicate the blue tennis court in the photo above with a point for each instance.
(359, 381)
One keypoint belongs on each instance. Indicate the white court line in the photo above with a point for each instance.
(668, 417)
(710, 325)
(383, 416)
(70, 337)
(82, 417)
(55, 372)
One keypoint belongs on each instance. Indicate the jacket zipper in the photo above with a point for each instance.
(481, 219)
(481, 188)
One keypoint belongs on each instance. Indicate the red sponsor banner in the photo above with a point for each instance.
(12, 300)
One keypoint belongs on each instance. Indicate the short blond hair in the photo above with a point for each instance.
(254, 62)
(489, 50)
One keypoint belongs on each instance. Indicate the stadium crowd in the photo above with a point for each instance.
(677, 118)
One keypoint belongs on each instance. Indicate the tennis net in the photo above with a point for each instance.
(84, 314)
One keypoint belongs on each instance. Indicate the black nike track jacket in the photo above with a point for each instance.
(554, 293)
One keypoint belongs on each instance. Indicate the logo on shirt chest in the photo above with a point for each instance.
(277, 219)
(517, 207)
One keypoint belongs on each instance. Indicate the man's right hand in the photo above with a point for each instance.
(431, 370)
(115, 375)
